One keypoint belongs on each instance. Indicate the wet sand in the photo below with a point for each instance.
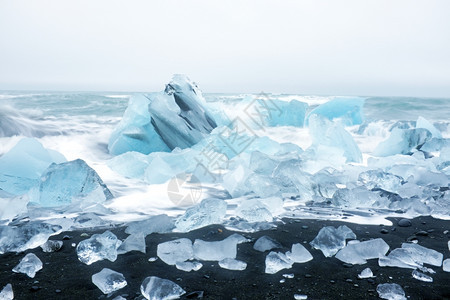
(65, 277)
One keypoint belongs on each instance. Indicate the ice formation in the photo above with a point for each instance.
(175, 251)
(391, 291)
(209, 211)
(358, 253)
(232, 264)
(98, 247)
(366, 273)
(219, 250)
(62, 184)
(266, 243)
(7, 292)
(330, 240)
(134, 242)
(29, 265)
(155, 288)
(348, 110)
(109, 281)
(264, 111)
(52, 246)
(21, 167)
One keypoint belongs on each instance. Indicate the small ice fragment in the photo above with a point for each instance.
(282, 280)
(232, 264)
(266, 243)
(29, 265)
(300, 297)
(446, 265)
(134, 242)
(299, 254)
(7, 293)
(188, 266)
(155, 288)
(330, 240)
(276, 261)
(215, 251)
(98, 247)
(109, 281)
(366, 273)
(52, 246)
(424, 255)
(152, 259)
(358, 253)
(175, 251)
(289, 276)
(209, 211)
(422, 277)
(254, 211)
(158, 223)
(391, 291)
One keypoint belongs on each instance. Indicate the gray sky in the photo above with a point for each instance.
(370, 47)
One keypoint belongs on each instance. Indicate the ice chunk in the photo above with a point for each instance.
(327, 133)
(158, 223)
(52, 246)
(61, 184)
(209, 211)
(402, 141)
(330, 240)
(21, 167)
(135, 131)
(379, 179)
(134, 242)
(188, 266)
(254, 211)
(422, 277)
(300, 297)
(88, 220)
(130, 164)
(266, 243)
(11, 206)
(232, 264)
(358, 253)
(179, 114)
(366, 273)
(357, 197)
(175, 251)
(424, 255)
(390, 291)
(7, 292)
(215, 251)
(424, 123)
(155, 288)
(348, 110)
(98, 247)
(411, 256)
(29, 265)
(287, 113)
(276, 261)
(446, 265)
(109, 281)
(299, 254)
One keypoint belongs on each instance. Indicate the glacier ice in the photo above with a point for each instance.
(175, 251)
(424, 255)
(232, 264)
(209, 211)
(286, 113)
(276, 261)
(422, 277)
(218, 250)
(7, 292)
(52, 246)
(109, 281)
(424, 123)
(330, 240)
(188, 266)
(29, 265)
(358, 253)
(21, 167)
(349, 110)
(155, 288)
(402, 141)
(366, 273)
(411, 256)
(12, 206)
(159, 223)
(88, 220)
(299, 254)
(134, 242)
(62, 184)
(391, 291)
(98, 247)
(380, 179)
(254, 211)
(446, 265)
(266, 243)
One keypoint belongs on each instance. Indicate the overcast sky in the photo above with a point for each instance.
(331, 47)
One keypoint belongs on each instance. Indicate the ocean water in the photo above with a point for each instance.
(78, 125)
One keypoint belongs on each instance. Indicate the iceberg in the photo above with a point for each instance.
(155, 288)
(98, 247)
(21, 167)
(62, 184)
(330, 240)
(109, 281)
(29, 265)
(390, 291)
(348, 110)
(402, 141)
(175, 251)
(209, 211)
(266, 243)
(358, 253)
(424, 123)
(7, 292)
(264, 111)
(219, 250)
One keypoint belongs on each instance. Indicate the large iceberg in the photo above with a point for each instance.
(349, 110)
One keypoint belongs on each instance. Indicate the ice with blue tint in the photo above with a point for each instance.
(380, 179)
(232, 264)
(135, 131)
(254, 211)
(266, 243)
(299, 254)
(29, 265)
(109, 281)
(209, 211)
(175, 251)
(276, 261)
(155, 288)
(331, 134)
(134, 242)
(7, 292)
(348, 110)
(279, 113)
(98, 247)
(62, 184)
(52, 246)
(330, 240)
(21, 167)
(403, 141)
(158, 223)
(359, 253)
(11, 207)
(411, 256)
(218, 250)
(424, 123)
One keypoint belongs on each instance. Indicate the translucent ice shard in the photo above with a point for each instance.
(232, 264)
(188, 266)
(276, 261)
(61, 184)
(88, 220)
(348, 110)
(391, 291)
(134, 242)
(330, 239)
(402, 141)
(358, 253)
(266, 243)
(155, 288)
(7, 292)
(366, 273)
(52, 246)
(422, 277)
(424, 123)
(411, 256)
(209, 211)
(254, 211)
(299, 254)
(424, 255)
(12, 206)
(446, 265)
(215, 251)
(109, 281)
(29, 265)
(98, 247)
(379, 179)
(175, 251)
(158, 223)
(21, 167)
(287, 113)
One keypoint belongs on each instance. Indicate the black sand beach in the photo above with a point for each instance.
(65, 277)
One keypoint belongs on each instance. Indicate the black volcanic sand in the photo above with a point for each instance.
(64, 277)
